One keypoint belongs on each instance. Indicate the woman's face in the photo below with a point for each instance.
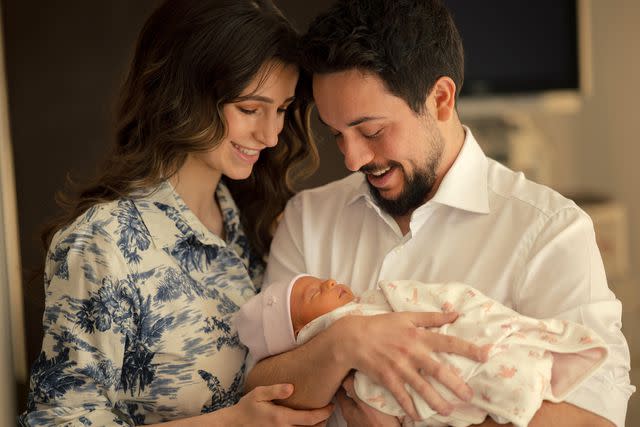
(254, 121)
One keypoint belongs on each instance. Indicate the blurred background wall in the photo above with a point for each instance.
(66, 60)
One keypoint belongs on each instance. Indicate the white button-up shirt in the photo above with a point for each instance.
(518, 242)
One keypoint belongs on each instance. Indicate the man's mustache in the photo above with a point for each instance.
(372, 167)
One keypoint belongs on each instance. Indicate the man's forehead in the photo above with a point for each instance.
(336, 80)
(352, 97)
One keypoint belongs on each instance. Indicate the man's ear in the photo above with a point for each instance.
(443, 98)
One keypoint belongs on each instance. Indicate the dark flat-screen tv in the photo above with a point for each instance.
(520, 50)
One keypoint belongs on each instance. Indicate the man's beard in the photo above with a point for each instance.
(417, 186)
(414, 192)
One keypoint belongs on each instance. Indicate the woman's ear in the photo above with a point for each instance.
(443, 98)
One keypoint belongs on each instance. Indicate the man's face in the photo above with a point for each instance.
(397, 149)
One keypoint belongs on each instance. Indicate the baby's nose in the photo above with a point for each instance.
(328, 284)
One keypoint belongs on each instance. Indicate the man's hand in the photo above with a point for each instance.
(357, 413)
(395, 349)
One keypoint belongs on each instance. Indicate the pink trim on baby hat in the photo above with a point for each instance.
(276, 317)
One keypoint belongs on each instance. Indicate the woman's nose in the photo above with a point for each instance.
(268, 131)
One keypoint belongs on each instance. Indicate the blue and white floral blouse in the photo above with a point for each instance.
(137, 330)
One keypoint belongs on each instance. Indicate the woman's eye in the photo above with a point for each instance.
(247, 111)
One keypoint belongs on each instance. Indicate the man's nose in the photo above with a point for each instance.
(357, 153)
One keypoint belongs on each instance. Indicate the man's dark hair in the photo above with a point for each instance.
(409, 44)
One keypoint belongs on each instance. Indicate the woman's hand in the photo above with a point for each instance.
(395, 349)
(357, 413)
(257, 409)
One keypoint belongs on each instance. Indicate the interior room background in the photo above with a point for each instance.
(64, 62)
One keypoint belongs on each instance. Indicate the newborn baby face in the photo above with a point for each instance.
(312, 297)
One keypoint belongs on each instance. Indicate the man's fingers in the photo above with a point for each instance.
(431, 319)
(348, 386)
(400, 393)
(450, 344)
(449, 377)
(428, 393)
(346, 404)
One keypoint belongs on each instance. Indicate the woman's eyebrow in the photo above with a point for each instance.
(261, 98)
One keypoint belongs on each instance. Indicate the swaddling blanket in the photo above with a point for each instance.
(530, 360)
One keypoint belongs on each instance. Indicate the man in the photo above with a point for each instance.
(427, 205)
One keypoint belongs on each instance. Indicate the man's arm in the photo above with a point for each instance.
(315, 369)
(392, 349)
(559, 415)
(565, 279)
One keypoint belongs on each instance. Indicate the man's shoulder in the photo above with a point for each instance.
(510, 188)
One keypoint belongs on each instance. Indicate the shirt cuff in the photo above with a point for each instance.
(603, 397)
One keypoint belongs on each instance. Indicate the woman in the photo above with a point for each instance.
(150, 262)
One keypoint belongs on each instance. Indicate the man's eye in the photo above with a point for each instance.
(247, 111)
(373, 135)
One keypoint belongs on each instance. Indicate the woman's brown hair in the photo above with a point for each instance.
(191, 58)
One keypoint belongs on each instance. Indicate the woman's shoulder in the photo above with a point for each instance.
(101, 223)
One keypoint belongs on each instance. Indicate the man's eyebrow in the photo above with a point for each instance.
(362, 120)
(356, 122)
(261, 99)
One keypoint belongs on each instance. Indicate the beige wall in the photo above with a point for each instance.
(599, 147)
(596, 148)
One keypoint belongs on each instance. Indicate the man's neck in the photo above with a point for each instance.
(403, 222)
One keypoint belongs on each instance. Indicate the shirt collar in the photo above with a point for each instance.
(463, 187)
(168, 218)
(465, 184)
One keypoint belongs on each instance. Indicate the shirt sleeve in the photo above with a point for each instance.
(88, 311)
(564, 278)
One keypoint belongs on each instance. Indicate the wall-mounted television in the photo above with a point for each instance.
(533, 54)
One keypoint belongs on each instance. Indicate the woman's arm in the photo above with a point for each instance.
(257, 409)
(77, 373)
(392, 349)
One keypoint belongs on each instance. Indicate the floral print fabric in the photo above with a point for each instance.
(137, 323)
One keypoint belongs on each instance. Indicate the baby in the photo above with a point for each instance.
(530, 360)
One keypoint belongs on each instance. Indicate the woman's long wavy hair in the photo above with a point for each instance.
(191, 58)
